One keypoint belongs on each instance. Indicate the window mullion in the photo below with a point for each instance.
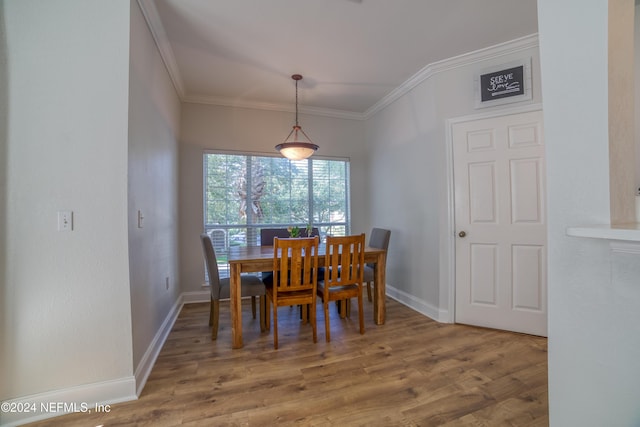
(252, 238)
(347, 195)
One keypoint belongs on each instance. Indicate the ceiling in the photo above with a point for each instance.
(352, 53)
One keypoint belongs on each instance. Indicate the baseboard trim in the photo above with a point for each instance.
(196, 296)
(143, 370)
(418, 305)
(83, 398)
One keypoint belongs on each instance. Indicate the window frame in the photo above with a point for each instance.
(253, 229)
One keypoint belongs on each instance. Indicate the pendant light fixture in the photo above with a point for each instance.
(298, 145)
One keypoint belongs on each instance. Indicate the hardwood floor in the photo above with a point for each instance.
(412, 371)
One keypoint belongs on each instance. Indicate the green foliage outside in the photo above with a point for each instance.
(243, 193)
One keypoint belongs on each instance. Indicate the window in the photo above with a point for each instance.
(244, 193)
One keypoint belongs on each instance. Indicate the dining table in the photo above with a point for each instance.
(248, 259)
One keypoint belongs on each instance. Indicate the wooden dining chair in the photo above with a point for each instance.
(378, 239)
(220, 288)
(295, 280)
(266, 239)
(343, 277)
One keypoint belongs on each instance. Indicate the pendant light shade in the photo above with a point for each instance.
(297, 146)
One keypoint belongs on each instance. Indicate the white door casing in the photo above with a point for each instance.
(499, 187)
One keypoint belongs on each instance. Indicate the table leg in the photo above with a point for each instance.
(235, 301)
(380, 286)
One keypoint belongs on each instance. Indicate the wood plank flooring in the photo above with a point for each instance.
(412, 371)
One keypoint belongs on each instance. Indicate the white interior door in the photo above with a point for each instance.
(501, 268)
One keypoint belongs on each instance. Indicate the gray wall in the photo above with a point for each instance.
(208, 127)
(154, 121)
(408, 148)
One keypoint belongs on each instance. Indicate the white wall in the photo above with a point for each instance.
(594, 292)
(224, 128)
(65, 306)
(637, 91)
(408, 174)
(5, 320)
(154, 120)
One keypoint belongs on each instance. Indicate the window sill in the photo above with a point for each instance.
(623, 232)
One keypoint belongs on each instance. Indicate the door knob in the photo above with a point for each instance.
(462, 234)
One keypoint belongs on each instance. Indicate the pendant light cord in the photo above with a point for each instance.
(297, 145)
(296, 102)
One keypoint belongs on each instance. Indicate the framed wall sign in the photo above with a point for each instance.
(503, 84)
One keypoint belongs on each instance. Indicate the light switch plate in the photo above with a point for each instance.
(65, 220)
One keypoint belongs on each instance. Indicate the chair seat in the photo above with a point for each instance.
(337, 289)
(250, 286)
(290, 298)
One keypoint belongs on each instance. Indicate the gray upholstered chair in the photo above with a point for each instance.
(379, 239)
(250, 286)
(267, 235)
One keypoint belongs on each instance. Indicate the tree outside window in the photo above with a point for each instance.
(244, 193)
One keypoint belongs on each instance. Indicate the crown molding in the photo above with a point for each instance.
(164, 47)
(466, 59)
(230, 102)
(154, 23)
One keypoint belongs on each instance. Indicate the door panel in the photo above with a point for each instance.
(500, 207)
(483, 273)
(524, 135)
(482, 193)
(526, 193)
(480, 140)
(528, 274)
